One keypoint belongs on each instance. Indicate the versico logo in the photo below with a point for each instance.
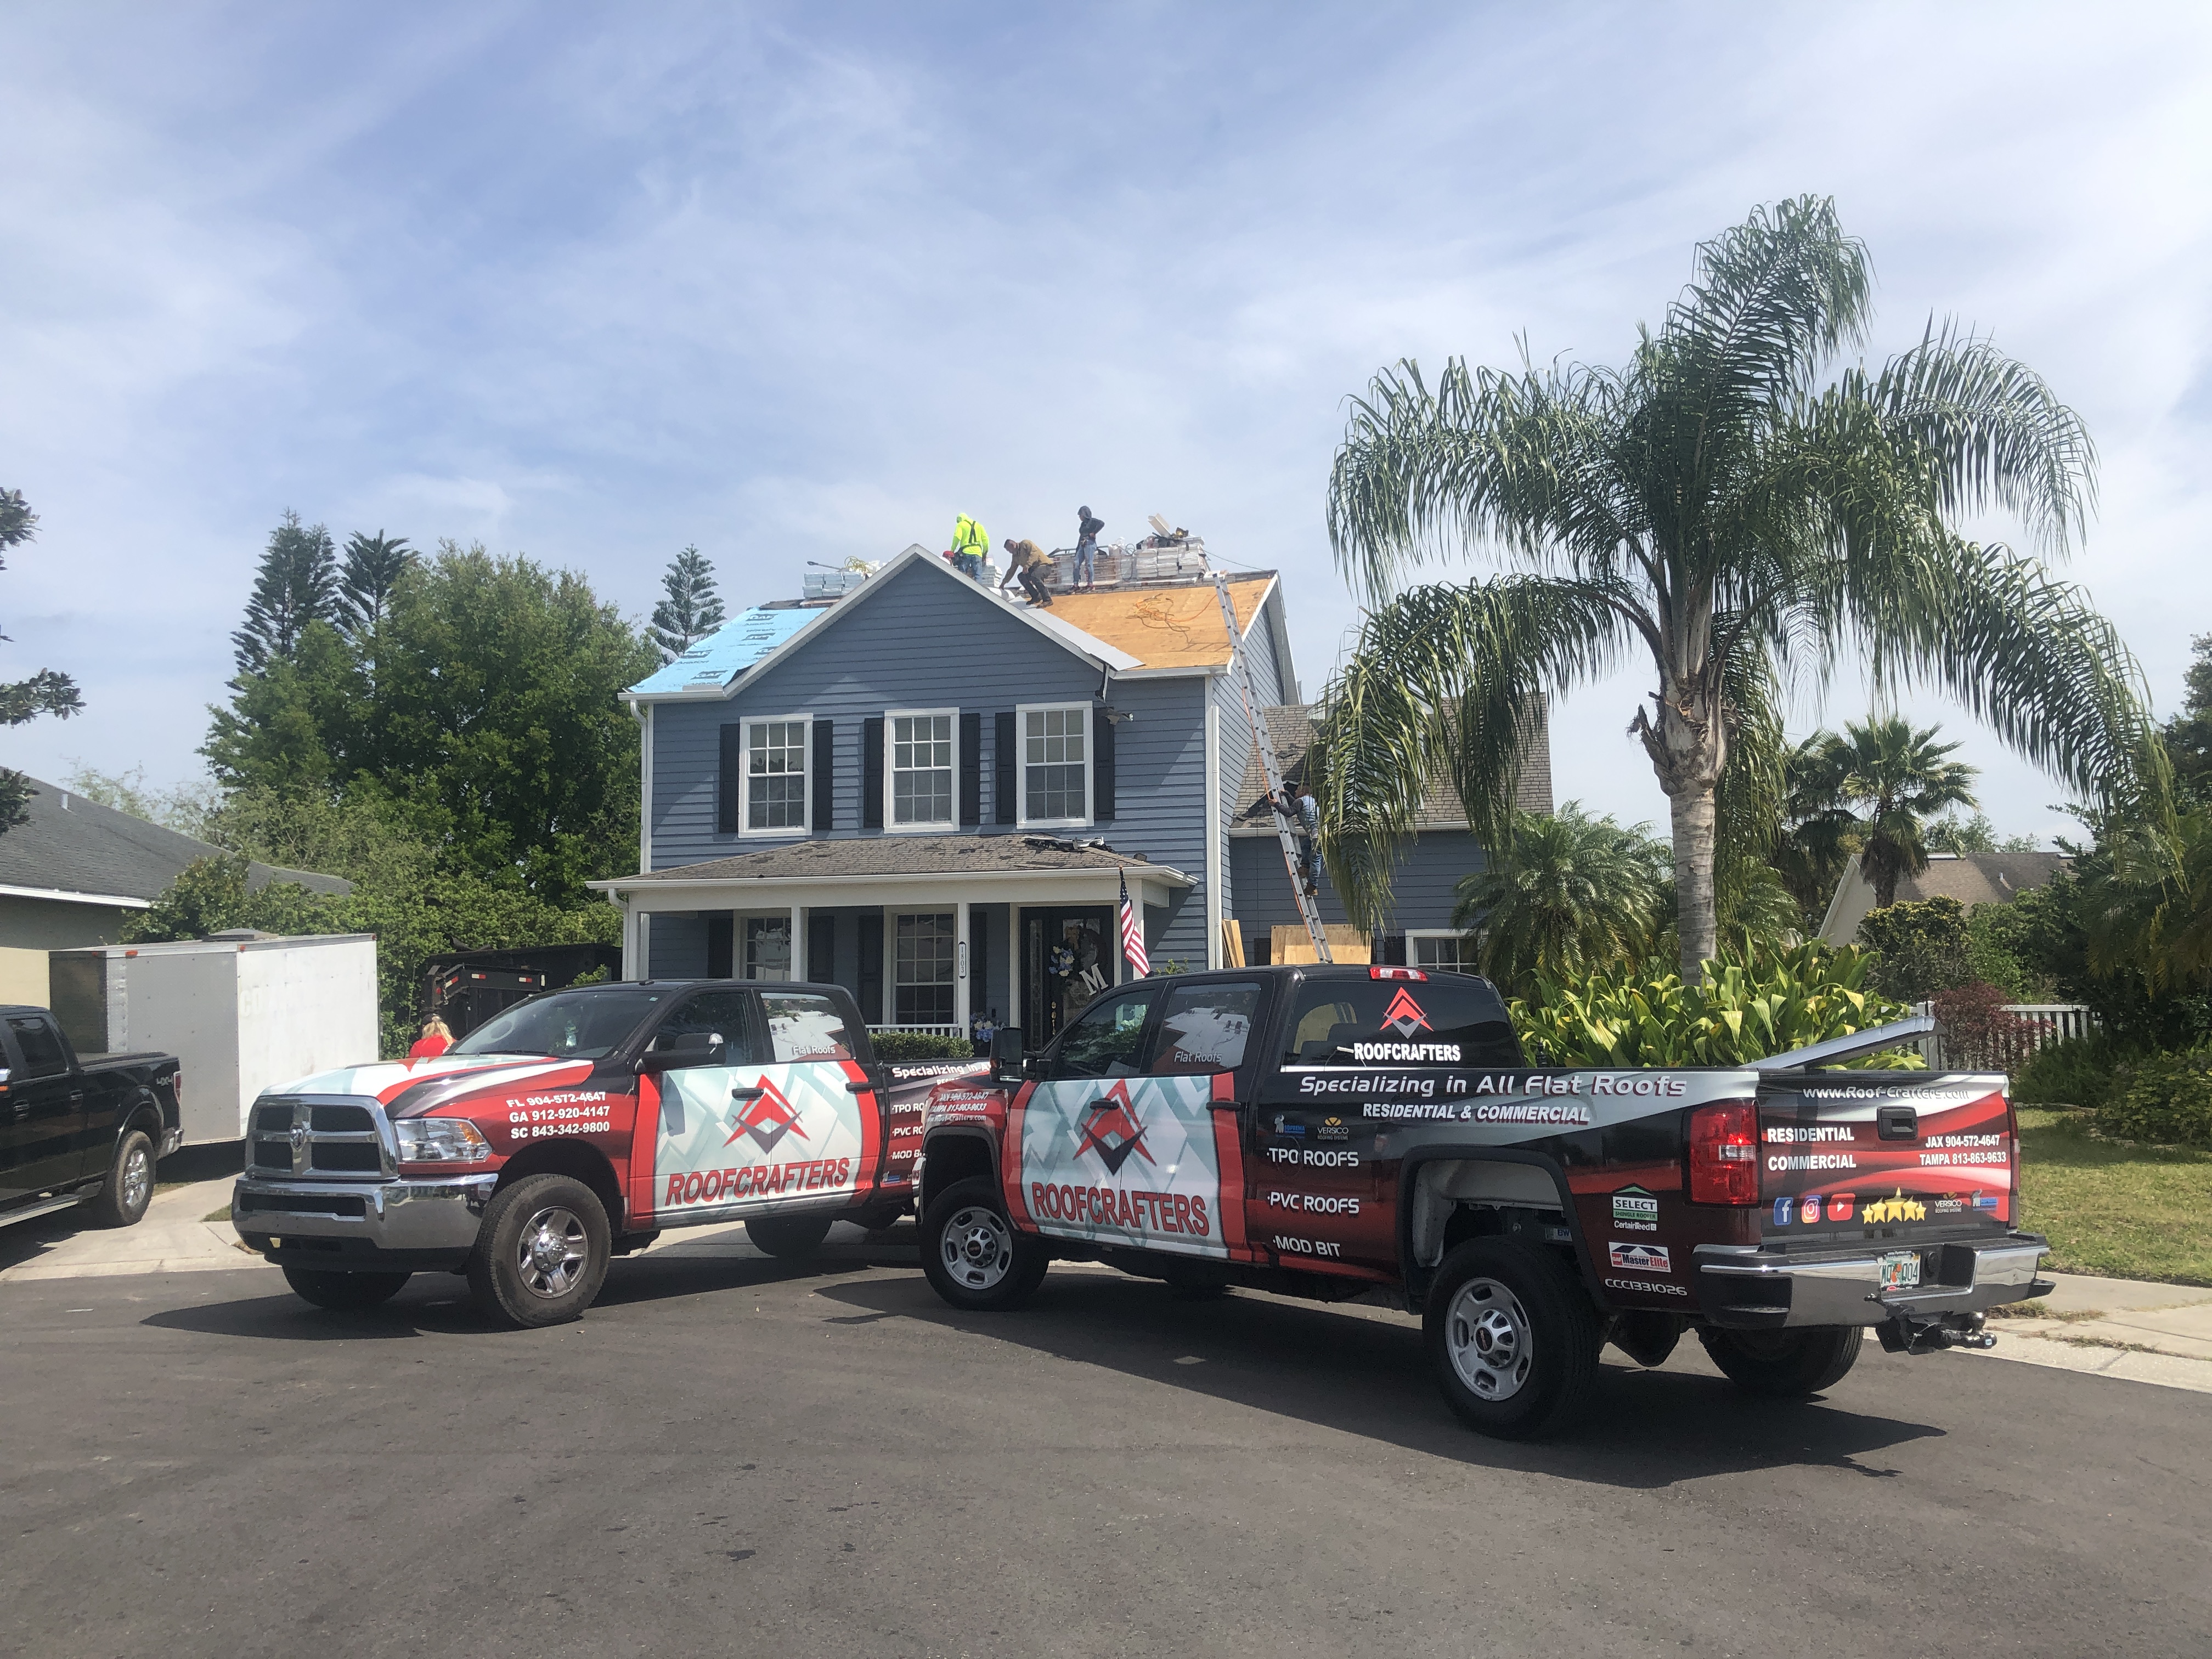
(1111, 1130)
(766, 1120)
(1404, 1015)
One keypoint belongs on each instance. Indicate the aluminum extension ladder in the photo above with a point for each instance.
(1309, 906)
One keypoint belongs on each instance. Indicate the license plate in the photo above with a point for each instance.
(1900, 1270)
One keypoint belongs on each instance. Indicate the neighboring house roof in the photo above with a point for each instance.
(904, 855)
(1291, 731)
(75, 850)
(1970, 878)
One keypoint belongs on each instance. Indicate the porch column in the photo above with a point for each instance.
(634, 940)
(1014, 967)
(961, 993)
(797, 943)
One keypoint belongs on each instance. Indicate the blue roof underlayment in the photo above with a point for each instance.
(727, 652)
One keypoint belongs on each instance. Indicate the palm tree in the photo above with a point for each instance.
(1820, 835)
(1715, 506)
(1898, 777)
(1563, 894)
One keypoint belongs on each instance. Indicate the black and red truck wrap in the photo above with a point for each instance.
(646, 1107)
(1334, 1132)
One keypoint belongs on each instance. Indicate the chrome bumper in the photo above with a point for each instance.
(1747, 1287)
(364, 1224)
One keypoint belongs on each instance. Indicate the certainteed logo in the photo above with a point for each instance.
(767, 1119)
(1111, 1130)
(1404, 1015)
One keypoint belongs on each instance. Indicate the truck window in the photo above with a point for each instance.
(720, 1016)
(567, 1024)
(42, 1049)
(802, 1026)
(1109, 1039)
(1441, 1021)
(1204, 1028)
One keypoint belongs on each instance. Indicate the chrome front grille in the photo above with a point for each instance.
(295, 1138)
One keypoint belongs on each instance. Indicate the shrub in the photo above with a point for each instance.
(1924, 947)
(1751, 1003)
(921, 1045)
(1981, 1034)
(2166, 1098)
(2073, 1071)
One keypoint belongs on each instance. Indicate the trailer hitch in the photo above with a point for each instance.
(1913, 1334)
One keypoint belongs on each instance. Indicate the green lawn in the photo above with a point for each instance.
(2123, 1212)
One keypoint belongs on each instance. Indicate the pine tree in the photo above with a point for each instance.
(298, 585)
(45, 692)
(692, 610)
(372, 569)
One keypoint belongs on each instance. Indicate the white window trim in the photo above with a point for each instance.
(891, 915)
(1022, 819)
(1470, 938)
(891, 718)
(806, 826)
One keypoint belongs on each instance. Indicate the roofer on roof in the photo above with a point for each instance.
(971, 544)
(1029, 559)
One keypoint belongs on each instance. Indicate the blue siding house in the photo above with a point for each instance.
(932, 794)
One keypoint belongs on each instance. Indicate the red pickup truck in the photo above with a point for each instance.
(1334, 1132)
(575, 1128)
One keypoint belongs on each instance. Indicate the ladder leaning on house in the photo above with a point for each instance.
(1309, 905)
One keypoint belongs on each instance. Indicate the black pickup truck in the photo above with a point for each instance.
(1334, 1132)
(80, 1129)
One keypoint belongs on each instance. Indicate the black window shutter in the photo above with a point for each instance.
(971, 768)
(871, 773)
(1004, 776)
(825, 795)
(1102, 766)
(730, 795)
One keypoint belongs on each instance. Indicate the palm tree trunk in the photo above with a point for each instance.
(1695, 923)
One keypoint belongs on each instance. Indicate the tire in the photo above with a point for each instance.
(1513, 1339)
(343, 1292)
(129, 1189)
(788, 1237)
(973, 1257)
(1784, 1364)
(541, 1253)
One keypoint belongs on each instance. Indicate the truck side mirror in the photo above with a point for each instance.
(1006, 1057)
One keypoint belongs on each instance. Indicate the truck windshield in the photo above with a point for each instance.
(1444, 1020)
(571, 1024)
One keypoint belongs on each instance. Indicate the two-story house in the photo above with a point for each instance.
(921, 790)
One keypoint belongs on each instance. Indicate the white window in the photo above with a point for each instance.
(921, 767)
(924, 956)
(1056, 764)
(1451, 950)
(776, 775)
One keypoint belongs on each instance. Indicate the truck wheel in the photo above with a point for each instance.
(1784, 1364)
(541, 1253)
(788, 1237)
(122, 1201)
(973, 1258)
(343, 1292)
(1513, 1338)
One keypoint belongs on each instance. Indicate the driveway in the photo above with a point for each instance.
(729, 1454)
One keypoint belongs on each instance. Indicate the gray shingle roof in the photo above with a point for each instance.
(903, 855)
(1290, 728)
(78, 847)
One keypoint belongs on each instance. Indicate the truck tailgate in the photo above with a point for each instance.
(1852, 1155)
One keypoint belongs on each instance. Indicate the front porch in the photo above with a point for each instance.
(929, 933)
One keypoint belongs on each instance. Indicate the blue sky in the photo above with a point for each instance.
(594, 282)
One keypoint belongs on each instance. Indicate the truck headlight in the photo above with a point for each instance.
(441, 1140)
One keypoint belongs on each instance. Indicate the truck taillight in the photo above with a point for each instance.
(1724, 1153)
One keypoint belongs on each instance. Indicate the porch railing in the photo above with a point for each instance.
(950, 1029)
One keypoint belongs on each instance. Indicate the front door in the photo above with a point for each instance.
(1130, 1137)
(1068, 957)
(41, 1114)
(783, 1113)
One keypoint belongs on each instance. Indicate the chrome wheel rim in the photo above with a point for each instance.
(137, 1178)
(554, 1248)
(1487, 1334)
(977, 1248)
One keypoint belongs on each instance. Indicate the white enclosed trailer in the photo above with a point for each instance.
(241, 1014)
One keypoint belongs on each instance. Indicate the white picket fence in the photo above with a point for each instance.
(2047, 1023)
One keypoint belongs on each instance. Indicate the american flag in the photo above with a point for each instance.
(1133, 935)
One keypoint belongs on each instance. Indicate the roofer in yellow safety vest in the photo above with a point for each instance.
(971, 546)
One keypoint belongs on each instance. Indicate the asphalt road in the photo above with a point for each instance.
(733, 1456)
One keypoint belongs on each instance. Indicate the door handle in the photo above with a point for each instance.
(747, 1094)
(76, 1095)
(860, 1088)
